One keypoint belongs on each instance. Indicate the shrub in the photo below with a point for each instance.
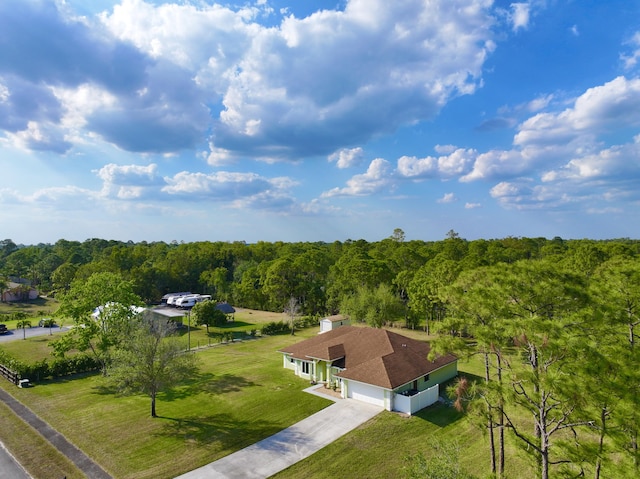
(274, 328)
(307, 322)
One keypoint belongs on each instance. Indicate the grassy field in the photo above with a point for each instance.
(380, 448)
(242, 394)
(35, 310)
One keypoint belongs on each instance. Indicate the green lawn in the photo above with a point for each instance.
(30, 349)
(379, 448)
(35, 310)
(242, 395)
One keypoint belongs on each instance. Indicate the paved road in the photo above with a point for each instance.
(275, 453)
(79, 458)
(14, 334)
(9, 467)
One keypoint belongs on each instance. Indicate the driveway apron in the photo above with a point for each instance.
(273, 454)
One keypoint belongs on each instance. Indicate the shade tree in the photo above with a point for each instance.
(206, 313)
(152, 361)
(103, 310)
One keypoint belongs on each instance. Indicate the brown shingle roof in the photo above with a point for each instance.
(372, 356)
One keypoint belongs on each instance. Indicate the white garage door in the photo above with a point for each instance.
(366, 393)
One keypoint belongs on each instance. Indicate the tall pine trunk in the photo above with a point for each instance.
(490, 416)
(500, 420)
(603, 433)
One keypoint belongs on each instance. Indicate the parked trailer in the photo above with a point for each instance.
(173, 297)
(190, 301)
(186, 301)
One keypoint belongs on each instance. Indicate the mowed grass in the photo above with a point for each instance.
(242, 395)
(32, 349)
(41, 459)
(35, 310)
(380, 448)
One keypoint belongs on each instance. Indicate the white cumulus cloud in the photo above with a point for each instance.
(347, 157)
(377, 179)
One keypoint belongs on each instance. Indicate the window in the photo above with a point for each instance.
(426, 378)
(305, 368)
(291, 359)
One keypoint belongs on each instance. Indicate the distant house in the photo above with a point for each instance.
(330, 323)
(19, 291)
(374, 366)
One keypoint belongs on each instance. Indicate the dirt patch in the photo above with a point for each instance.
(328, 392)
(258, 317)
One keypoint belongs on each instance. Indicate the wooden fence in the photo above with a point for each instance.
(9, 374)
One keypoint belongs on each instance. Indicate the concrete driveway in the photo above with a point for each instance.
(273, 454)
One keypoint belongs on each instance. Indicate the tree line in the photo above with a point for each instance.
(397, 279)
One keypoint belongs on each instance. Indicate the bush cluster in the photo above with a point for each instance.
(274, 327)
(284, 327)
(307, 321)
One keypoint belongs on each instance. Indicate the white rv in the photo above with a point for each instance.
(187, 301)
(172, 298)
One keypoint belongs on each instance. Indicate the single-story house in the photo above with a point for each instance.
(376, 366)
(333, 322)
(19, 291)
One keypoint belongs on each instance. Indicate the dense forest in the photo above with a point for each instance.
(323, 277)
(554, 321)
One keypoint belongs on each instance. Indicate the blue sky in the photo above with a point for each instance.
(300, 120)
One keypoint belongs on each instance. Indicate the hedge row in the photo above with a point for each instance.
(58, 367)
(273, 327)
(283, 327)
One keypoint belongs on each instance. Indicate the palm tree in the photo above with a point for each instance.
(23, 322)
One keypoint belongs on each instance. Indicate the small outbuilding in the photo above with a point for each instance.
(333, 322)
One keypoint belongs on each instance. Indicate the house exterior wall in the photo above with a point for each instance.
(438, 376)
(288, 363)
(328, 325)
(10, 296)
(314, 370)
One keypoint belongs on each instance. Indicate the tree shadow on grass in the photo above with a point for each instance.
(439, 414)
(225, 383)
(227, 430)
(200, 383)
(235, 324)
(48, 381)
(444, 414)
